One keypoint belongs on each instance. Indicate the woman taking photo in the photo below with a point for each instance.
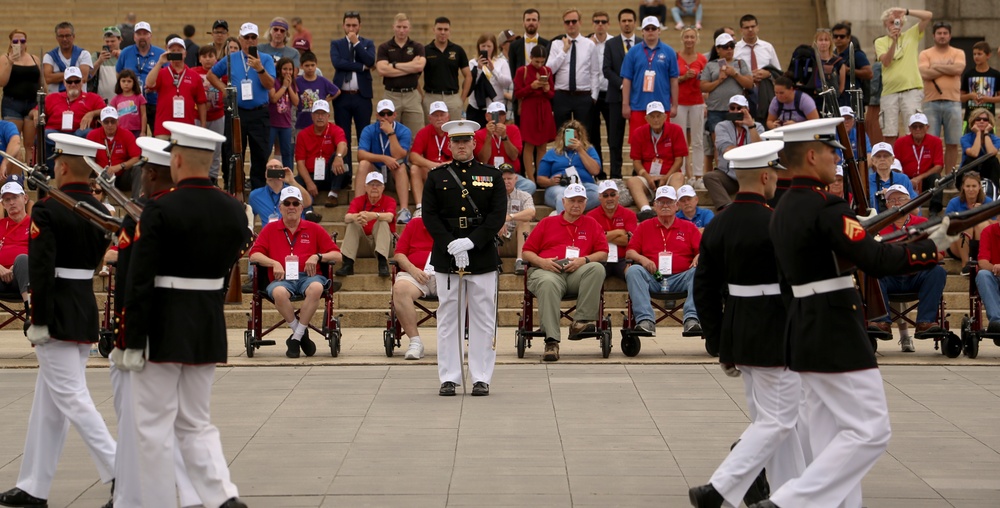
(487, 68)
(20, 77)
(533, 87)
(571, 160)
(691, 105)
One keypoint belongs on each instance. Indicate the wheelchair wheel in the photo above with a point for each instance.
(630, 344)
(248, 341)
(606, 343)
(952, 345)
(389, 340)
(105, 343)
(970, 341)
(520, 342)
(333, 337)
(873, 341)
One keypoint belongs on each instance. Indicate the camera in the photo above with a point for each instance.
(275, 173)
(484, 55)
(252, 51)
(106, 49)
(565, 180)
(174, 57)
(897, 22)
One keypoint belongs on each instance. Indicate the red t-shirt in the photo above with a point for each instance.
(15, 239)
(689, 91)
(385, 204)
(681, 239)
(58, 103)
(930, 153)
(671, 145)
(513, 134)
(276, 242)
(188, 86)
(309, 145)
(116, 151)
(989, 244)
(623, 218)
(431, 146)
(553, 234)
(415, 243)
(216, 98)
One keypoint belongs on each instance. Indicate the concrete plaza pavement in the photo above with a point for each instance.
(363, 430)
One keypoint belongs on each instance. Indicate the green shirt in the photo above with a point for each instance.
(903, 74)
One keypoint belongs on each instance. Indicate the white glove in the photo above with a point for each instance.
(939, 234)
(117, 358)
(462, 259)
(871, 213)
(133, 360)
(460, 245)
(38, 335)
(730, 369)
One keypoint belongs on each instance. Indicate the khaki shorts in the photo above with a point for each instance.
(429, 289)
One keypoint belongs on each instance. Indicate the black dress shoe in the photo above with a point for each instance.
(480, 389)
(705, 496)
(447, 389)
(759, 490)
(109, 504)
(234, 502)
(312, 216)
(307, 345)
(383, 267)
(346, 269)
(293, 348)
(20, 498)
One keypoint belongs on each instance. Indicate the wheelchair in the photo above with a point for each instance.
(525, 321)
(253, 337)
(393, 329)
(972, 323)
(632, 335)
(901, 304)
(109, 321)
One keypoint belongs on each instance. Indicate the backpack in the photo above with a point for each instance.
(804, 69)
(795, 106)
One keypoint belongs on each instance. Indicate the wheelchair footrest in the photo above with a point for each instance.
(692, 334)
(264, 342)
(879, 334)
(588, 335)
(987, 335)
(931, 335)
(637, 332)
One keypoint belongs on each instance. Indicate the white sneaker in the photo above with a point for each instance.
(698, 184)
(415, 351)
(418, 213)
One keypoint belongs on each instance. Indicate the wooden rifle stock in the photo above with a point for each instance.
(958, 222)
(236, 177)
(882, 220)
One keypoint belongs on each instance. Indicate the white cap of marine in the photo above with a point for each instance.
(154, 150)
(460, 128)
(192, 136)
(763, 154)
(820, 129)
(68, 144)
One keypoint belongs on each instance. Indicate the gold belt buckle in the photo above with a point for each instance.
(463, 222)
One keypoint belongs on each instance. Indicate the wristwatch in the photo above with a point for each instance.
(319, 257)
(503, 138)
(338, 155)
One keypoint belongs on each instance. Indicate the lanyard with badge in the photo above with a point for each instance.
(178, 99)
(498, 159)
(649, 77)
(246, 86)
(291, 260)
(656, 167)
(920, 157)
(67, 116)
(440, 147)
(666, 258)
(275, 213)
(571, 171)
(572, 251)
(319, 164)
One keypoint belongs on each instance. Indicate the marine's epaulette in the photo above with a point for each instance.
(443, 166)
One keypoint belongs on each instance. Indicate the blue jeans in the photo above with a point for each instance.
(296, 287)
(525, 185)
(284, 135)
(554, 196)
(989, 293)
(677, 12)
(641, 283)
(947, 114)
(929, 286)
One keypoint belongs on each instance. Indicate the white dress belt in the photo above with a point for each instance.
(165, 281)
(752, 291)
(74, 273)
(823, 286)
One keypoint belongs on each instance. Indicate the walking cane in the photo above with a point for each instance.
(461, 325)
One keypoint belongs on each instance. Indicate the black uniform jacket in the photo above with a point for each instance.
(195, 231)
(736, 249)
(59, 237)
(810, 229)
(125, 237)
(443, 205)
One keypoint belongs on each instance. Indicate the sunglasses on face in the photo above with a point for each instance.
(385, 113)
(727, 46)
(250, 37)
(570, 21)
(600, 22)
(98, 191)
(291, 204)
(19, 41)
(839, 36)
(609, 194)
(279, 30)
(73, 81)
(735, 108)
(983, 119)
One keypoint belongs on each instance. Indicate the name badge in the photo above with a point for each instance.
(572, 252)
(612, 253)
(178, 107)
(648, 80)
(319, 169)
(291, 267)
(656, 167)
(497, 161)
(67, 121)
(573, 174)
(246, 90)
(666, 264)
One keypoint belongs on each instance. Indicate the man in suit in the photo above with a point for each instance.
(614, 55)
(352, 57)
(520, 49)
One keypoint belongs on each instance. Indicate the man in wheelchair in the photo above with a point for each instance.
(291, 249)
(14, 246)
(987, 277)
(928, 284)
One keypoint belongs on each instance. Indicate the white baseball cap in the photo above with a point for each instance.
(574, 190)
(650, 21)
(11, 188)
(607, 185)
(883, 147)
(896, 166)
(686, 191)
(374, 175)
(142, 25)
(385, 104)
(437, 106)
(918, 118)
(846, 111)
(248, 28)
(320, 105)
(840, 170)
(739, 99)
(72, 72)
(176, 40)
(723, 39)
(667, 192)
(109, 112)
(290, 192)
(895, 188)
(496, 107)
(654, 107)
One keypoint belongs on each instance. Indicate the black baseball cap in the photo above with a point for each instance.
(218, 23)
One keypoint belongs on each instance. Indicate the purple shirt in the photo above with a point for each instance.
(310, 92)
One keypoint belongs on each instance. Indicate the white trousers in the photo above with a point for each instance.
(848, 432)
(693, 117)
(773, 399)
(127, 490)
(171, 403)
(61, 399)
(480, 292)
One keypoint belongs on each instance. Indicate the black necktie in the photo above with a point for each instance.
(628, 45)
(350, 50)
(572, 66)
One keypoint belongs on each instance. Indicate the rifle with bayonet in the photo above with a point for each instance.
(107, 182)
(857, 101)
(957, 222)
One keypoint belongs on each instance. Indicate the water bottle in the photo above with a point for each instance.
(663, 284)
(93, 350)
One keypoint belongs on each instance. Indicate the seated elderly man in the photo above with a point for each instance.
(384, 145)
(370, 216)
(430, 150)
(619, 224)
(665, 252)
(658, 151)
(319, 154)
(688, 209)
(292, 249)
(520, 213)
(14, 247)
(987, 278)
(414, 280)
(928, 284)
(265, 201)
(565, 252)
(729, 134)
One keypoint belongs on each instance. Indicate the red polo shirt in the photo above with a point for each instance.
(116, 151)
(623, 218)
(681, 239)
(58, 103)
(553, 234)
(385, 204)
(415, 242)
(513, 134)
(309, 145)
(276, 241)
(670, 146)
(989, 244)
(186, 84)
(917, 159)
(216, 98)
(15, 239)
(431, 146)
